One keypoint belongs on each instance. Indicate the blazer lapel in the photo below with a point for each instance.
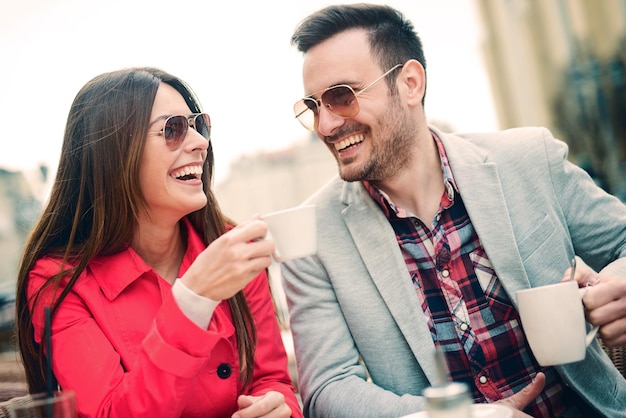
(483, 196)
(375, 240)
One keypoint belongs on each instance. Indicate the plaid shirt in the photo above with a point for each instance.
(469, 314)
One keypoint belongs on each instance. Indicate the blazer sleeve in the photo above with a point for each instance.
(596, 219)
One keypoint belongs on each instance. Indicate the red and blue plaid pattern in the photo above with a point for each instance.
(469, 314)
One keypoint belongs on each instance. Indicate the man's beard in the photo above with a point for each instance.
(392, 152)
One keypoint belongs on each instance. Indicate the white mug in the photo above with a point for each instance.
(553, 320)
(293, 231)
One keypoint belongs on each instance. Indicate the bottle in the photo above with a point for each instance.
(450, 400)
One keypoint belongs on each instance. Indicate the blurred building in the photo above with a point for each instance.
(270, 181)
(562, 64)
(19, 207)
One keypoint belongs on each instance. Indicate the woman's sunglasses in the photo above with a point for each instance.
(340, 100)
(175, 128)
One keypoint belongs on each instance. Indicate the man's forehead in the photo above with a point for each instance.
(341, 59)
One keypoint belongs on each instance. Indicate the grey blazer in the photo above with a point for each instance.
(362, 343)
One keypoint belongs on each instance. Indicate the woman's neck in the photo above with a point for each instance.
(161, 248)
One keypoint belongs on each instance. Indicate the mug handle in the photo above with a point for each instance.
(592, 333)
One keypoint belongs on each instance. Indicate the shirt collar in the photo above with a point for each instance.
(116, 272)
(448, 178)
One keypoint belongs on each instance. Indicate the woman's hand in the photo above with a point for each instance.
(230, 262)
(604, 300)
(270, 405)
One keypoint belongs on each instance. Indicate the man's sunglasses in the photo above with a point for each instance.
(175, 128)
(340, 100)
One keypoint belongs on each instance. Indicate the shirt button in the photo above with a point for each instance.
(445, 273)
(482, 379)
(224, 371)
(438, 217)
(464, 327)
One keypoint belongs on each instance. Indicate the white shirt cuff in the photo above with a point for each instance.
(196, 307)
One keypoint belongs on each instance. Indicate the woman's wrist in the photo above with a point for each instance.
(197, 308)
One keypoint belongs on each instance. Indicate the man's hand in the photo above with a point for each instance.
(270, 405)
(521, 399)
(605, 302)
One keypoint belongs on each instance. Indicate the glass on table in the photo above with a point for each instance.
(62, 404)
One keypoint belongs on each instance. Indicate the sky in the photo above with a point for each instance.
(235, 55)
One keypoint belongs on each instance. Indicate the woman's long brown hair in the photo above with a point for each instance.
(95, 200)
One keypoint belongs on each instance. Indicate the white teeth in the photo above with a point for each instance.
(351, 140)
(195, 171)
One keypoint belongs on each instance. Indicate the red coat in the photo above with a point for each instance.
(120, 341)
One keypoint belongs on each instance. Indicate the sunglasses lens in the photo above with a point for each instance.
(174, 131)
(341, 101)
(202, 124)
(306, 113)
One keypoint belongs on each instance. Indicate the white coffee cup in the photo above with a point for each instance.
(293, 231)
(553, 319)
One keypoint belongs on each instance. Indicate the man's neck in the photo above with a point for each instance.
(419, 187)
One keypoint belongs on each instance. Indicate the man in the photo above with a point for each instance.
(425, 238)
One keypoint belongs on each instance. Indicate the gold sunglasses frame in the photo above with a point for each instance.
(319, 103)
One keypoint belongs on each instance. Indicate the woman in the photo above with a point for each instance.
(159, 307)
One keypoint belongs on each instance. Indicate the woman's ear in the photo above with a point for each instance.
(412, 81)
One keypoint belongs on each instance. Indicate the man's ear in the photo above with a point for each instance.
(412, 82)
